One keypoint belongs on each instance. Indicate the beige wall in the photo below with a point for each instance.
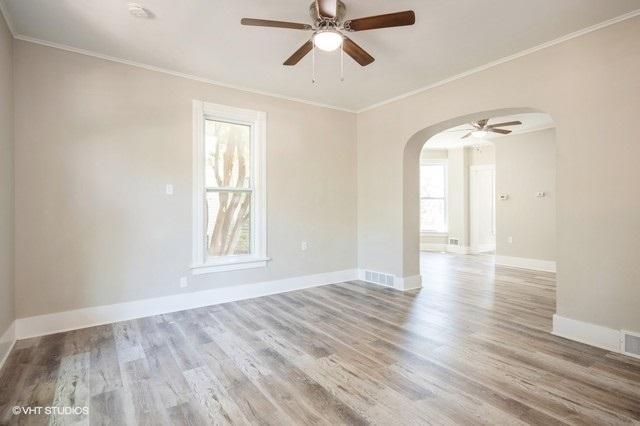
(458, 196)
(525, 165)
(485, 155)
(6, 183)
(433, 154)
(595, 75)
(96, 143)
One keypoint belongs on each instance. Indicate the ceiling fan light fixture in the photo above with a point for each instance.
(327, 40)
(479, 134)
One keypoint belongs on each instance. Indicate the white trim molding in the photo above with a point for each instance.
(433, 247)
(506, 59)
(584, 332)
(88, 317)
(444, 163)
(4, 13)
(397, 283)
(464, 74)
(174, 73)
(257, 122)
(230, 264)
(452, 248)
(7, 342)
(408, 283)
(482, 248)
(526, 263)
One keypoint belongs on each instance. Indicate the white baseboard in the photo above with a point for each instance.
(87, 317)
(433, 247)
(7, 341)
(408, 283)
(458, 249)
(482, 248)
(401, 284)
(584, 332)
(526, 263)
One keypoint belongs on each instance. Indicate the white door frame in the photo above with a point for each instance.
(473, 220)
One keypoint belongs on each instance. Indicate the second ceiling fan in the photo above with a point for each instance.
(482, 128)
(328, 25)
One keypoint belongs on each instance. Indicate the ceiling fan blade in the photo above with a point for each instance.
(508, 123)
(327, 8)
(397, 19)
(467, 135)
(299, 54)
(275, 24)
(501, 131)
(356, 52)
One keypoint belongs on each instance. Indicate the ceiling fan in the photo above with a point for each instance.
(482, 128)
(328, 24)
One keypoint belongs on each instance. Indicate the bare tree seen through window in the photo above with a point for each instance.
(228, 188)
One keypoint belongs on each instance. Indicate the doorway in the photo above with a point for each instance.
(482, 208)
(497, 199)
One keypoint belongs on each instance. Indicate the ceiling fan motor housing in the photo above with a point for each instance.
(341, 12)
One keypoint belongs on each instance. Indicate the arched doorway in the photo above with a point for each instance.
(410, 196)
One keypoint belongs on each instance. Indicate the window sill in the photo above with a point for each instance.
(434, 233)
(229, 264)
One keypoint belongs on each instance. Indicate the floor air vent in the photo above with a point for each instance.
(631, 343)
(378, 278)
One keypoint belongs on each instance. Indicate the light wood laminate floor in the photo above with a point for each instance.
(471, 347)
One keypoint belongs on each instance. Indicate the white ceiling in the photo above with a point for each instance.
(531, 122)
(204, 38)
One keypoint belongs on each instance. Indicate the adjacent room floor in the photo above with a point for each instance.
(473, 346)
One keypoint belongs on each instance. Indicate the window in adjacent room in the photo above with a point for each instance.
(229, 188)
(433, 197)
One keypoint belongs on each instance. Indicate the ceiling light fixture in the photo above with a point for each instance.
(327, 40)
(479, 133)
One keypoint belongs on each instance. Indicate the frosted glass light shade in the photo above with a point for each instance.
(327, 40)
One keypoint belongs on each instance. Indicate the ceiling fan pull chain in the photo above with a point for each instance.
(342, 62)
(313, 65)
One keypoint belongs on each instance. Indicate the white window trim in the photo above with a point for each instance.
(439, 162)
(258, 122)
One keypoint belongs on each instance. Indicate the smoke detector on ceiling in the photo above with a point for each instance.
(138, 11)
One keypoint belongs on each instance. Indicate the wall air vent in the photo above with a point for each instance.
(630, 343)
(453, 241)
(378, 278)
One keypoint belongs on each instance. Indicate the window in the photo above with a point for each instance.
(229, 226)
(433, 197)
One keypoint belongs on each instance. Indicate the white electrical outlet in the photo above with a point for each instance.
(169, 190)
(304, 246)
(509, 240)
(183, 282)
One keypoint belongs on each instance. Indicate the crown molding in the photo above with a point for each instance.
(464, 74)
(172, 72)
(505, 59)
(7, 18)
